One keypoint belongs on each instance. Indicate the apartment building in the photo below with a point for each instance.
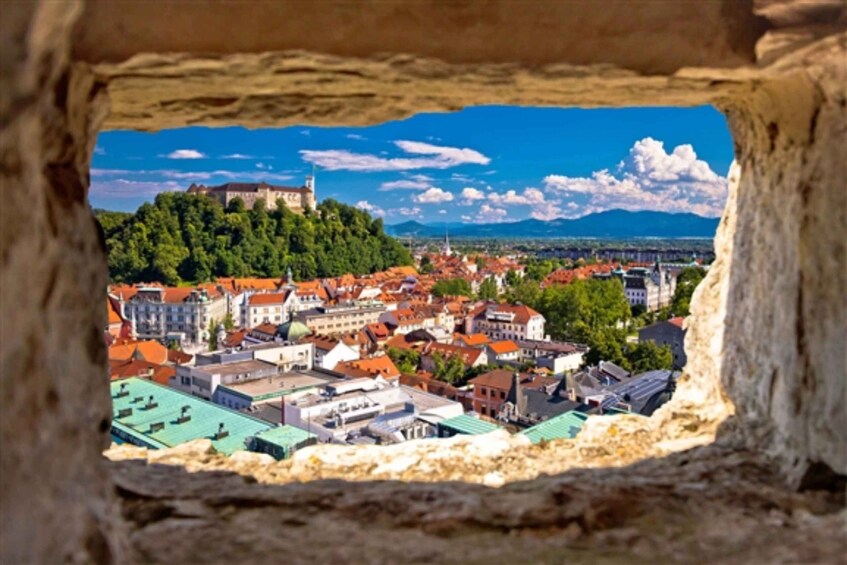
(177, 314)
(505, 321)
(334, 320)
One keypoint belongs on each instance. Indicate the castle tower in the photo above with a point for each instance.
(310, 199)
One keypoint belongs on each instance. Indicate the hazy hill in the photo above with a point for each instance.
(609, 224)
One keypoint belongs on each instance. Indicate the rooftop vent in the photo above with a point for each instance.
(124, 412)
(156, 427)
(151, 403)
(183, 415)
(122, 392)
(222, 432)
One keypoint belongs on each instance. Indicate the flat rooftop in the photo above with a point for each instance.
(236, 367)
(285, 383)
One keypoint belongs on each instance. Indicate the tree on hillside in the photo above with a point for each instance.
(187, 237)
(488, 289)
(512, 278)
(406, 360)
(452, 287)
(686, 282)
(526, 292)
(647, 356)
(450, 370)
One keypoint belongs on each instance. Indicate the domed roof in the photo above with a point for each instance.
(293, 331)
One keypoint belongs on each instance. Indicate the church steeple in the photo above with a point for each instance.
(447, 250)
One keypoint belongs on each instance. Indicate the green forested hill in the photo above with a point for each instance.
(186, 237)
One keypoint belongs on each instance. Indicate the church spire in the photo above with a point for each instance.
(447, 250)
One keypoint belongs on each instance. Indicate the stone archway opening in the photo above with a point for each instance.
(606, 442)
(769, 321)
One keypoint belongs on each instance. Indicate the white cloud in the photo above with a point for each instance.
(470, 194)
(185, 154)
(405, 184)
(433, 195)
(530, 197)
(428, 156)
(99, 150)
(418, 177)
(371, 208)
(414, 211)
(126, 188)
(306, 132)
(356, 136)
(442, 211)
(649, 179)
(467, 219)
(491, 214)
(237, 156)
(191, 176)
(546, 213)
(264, 167)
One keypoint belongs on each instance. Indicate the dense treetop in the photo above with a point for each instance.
(191, 238)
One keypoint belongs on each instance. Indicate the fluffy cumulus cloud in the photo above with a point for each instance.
(185, 154)
(408, 212)
(529, 197)
(491, 214)
(237, 156)
(419, 156)
(649, 178)
(433, 195)
(373, 209)
(470, 195)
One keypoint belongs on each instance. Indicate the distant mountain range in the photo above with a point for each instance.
(615, 224)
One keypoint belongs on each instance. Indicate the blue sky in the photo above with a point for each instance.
(483, 164)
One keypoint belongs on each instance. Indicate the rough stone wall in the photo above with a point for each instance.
(54, 404)
(785, 365)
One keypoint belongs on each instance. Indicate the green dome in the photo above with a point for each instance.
(293, 331)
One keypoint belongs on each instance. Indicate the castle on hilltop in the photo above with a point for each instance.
(296, 198)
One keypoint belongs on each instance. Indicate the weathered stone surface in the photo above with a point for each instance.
(709, 505)
(648, 37)
(54, 400)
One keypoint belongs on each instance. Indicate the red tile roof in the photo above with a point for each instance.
(375, 366)
(151, 351)
(501, 379)
(504, 347)
(677, 321)
(466, 354)
(266, 298)
(471, 340)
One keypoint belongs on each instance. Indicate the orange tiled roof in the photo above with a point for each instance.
(375, 366)
(503, 347)
(677, 321)
(249, 283)
(266, 298)
(114, 318)
(471, 340)
(501, 379)
(151, 351)
(468, 355)
(269, 329)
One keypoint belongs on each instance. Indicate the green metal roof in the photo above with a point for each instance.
(465, 424)
(563, 426)
(204, 422)
(285, 436)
